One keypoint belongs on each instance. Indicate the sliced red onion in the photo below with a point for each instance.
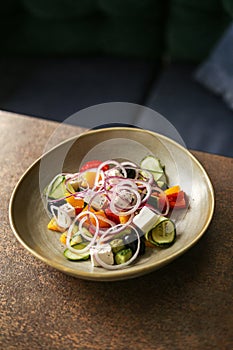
(150, 177)
(112, 162)
(148, 189)
(94, 202)
(124, 196)
(70, 231)
(99, 180)
(62, 218)
(114, 230)
(132, 209)
(111, 181)
(128, 182)
(129, 164)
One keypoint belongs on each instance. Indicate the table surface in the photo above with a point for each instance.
(187, 304)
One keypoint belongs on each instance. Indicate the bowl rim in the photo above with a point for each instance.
(121, 274)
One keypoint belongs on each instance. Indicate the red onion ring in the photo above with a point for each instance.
(70, 231)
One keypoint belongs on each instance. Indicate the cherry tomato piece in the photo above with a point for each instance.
(92, 164)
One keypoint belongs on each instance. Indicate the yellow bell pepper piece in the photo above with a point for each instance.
(75, 202)
(123, 219)
(172, 190)
(52, 225)
(63, 237)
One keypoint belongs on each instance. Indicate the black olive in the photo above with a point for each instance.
(142, 247)
(131, 241)
(131, 173)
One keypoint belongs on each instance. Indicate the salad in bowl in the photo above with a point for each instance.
(110, 212)
(112, 204)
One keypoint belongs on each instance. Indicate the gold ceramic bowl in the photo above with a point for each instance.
(28, 217)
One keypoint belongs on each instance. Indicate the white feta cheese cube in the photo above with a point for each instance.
(68, 209)
(146, 219)
(114, 172)
(75, 183)
(98, 202)
(64, 215)
(105, 254)
(124, 199)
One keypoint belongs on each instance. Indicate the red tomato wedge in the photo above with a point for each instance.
(177, 200)
(111, 216)
(93, 164)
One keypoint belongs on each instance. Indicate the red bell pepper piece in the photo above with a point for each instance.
(111, 216)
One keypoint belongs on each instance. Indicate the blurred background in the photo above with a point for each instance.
(176, 57)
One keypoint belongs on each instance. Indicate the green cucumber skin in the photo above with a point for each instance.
(158, 170)
(58, 188)
(123, 256)
(170, 242)
(73, 257)
(164, 245)
(76, 257)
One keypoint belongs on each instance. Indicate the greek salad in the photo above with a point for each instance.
(110, 212)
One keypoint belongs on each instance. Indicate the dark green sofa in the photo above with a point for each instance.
(59, 56)
(181, 29)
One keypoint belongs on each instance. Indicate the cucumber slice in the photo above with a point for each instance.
(76, 239)
(151, 163)
(55, 184)
(155, 167)
(59, 189)
(79, 256)
(123, 256)
(163, 234)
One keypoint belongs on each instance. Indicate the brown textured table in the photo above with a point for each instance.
(186, 305)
